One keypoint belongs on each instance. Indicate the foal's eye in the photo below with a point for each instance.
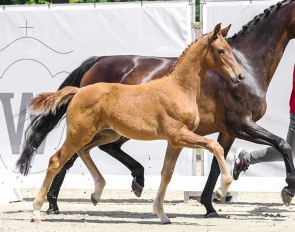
(220, 51)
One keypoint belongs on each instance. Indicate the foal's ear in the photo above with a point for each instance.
(224, 31)
(216, 30)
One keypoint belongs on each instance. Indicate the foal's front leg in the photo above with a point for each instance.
(186, 138)
(166, 174)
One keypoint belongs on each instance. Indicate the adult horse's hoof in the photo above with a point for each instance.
(136, 188)
(52, 211)
(212, 215)
(287, 196)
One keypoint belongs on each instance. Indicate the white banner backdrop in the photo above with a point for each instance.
(41, 45)
(276, 119)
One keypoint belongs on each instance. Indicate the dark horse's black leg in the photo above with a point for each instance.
(137, 170)
(253, 133)
(56, 184)
(113, 149)
(206, 197)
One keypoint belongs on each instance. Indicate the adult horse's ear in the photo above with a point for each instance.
(224, 31)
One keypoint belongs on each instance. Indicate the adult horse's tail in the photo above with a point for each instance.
(41, 125)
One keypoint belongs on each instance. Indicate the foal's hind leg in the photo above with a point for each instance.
(99, 181)
(104, 137)
(56, 162)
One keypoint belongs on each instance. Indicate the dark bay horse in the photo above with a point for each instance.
(103, 112)
(233, 115)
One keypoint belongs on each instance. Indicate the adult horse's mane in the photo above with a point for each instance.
(253, 22)
(260, 17)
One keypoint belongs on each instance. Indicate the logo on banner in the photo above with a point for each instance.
(28, 66)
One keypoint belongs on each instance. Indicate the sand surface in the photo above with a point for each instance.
(122, 211)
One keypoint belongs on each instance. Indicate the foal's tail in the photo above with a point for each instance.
(48, 103)
(41, 125)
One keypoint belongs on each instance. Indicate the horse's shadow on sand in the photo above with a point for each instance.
(111, 201)
(262, 211)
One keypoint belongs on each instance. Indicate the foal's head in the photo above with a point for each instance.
(219, 56)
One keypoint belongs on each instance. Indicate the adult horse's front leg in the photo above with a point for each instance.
(206, 197)
(254, 133)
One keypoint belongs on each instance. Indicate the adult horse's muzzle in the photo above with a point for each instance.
(238, 79)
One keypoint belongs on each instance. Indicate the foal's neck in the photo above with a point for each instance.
(190, 68)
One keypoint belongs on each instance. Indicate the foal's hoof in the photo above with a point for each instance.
(36, 220)
(93, 200)
(218, 194)
(212, 215)
(287, 196)
(166, 222)
(136, 188)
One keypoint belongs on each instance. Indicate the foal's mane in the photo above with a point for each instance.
(260, 17)
(183, 53)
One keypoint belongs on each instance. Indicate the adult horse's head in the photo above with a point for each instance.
(219, 54)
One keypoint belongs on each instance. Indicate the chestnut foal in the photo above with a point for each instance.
(162, 109)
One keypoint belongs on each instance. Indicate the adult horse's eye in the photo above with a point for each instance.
(220, 51)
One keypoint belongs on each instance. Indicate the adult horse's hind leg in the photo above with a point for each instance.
(137, 170)
(53, 192)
